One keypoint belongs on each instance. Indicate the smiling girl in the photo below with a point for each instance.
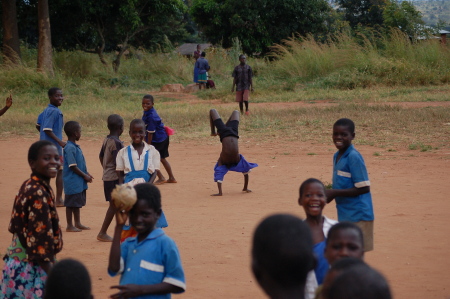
(35, 227)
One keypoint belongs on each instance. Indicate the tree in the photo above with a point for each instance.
(44, 63)
(405, 17)
(11, 42)
(258, 24)
(366, 13)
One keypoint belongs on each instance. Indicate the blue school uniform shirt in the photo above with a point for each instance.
(51, 119)
(202, 65)
(73, 183)
(154, 125)
(154, 260)
(350, 171)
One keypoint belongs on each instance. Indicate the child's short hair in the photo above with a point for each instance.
(150, 193)
(283, 248)
(346, 122)
(70, 127)
(346, 263)
(52, 91)
(242, 55)
(35, 148)
(68, 279)
(203, 54)
(307, 182)
(115, 122)
(149, 97)
(359, 281)
(342, 226)
(137, 121)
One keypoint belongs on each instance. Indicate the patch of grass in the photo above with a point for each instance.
(377, 154)
(311, 154)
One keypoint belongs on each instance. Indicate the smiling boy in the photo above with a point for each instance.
(351, 185)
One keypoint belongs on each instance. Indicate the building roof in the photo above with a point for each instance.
(188, 49)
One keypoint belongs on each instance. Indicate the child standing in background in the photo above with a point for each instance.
(75, 177)
(50, 125)
(351, 185)
(203, 66)
(149, 264)
(7, 105)
(156, 135)
(243, 80)
(108, 154)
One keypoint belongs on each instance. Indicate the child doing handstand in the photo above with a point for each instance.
(313, 200)
(229, 158)
(108, 154)
(149, 264)
(75, 177)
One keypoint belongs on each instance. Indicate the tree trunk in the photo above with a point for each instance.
(45, 63)
(11, 44)
(116, 62)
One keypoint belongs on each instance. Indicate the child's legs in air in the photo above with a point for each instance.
(213, 115)
(234, 116)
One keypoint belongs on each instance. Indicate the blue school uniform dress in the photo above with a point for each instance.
(243, 166)
(73, 156)
(154, 260)
(51, 119)
(350, 171)
(154, 125)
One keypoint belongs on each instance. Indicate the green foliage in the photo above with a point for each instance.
(363, 12)
(405, 17)
(258, 24)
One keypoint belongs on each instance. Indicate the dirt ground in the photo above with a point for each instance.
(214, 233)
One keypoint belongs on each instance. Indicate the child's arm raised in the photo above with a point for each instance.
(114, 254)
(7, 105)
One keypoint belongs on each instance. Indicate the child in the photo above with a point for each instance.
(351, 185)
(50, 123)
(243, 80)
(156, 135)
(197, 54)
(69, 279)
(336, 269)
(108, 154)
(344, 239)
(7, 105)
(359, 281)
(137, 162)
(149, 264)
(75, 177)
(282, 256)
(313, 199)
(202, 65)
(35, 227)
(229, 158)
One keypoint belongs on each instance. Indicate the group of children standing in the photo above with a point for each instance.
(138, 164)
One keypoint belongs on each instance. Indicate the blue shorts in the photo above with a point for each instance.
(243, 166)
(75, 200)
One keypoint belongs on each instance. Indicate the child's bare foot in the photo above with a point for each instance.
(104, 237)
(160, 182)
(218, 194)
(173, 181)
(73, 229)
(247, 190)
(81, 226)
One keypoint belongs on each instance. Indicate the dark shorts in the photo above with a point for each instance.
(162, 147)
(75, 200)
(108, 187)
(231, 128)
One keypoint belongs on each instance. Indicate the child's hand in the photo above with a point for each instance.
(121, 216)
(9, 101)
(88, 178)
(127, 291)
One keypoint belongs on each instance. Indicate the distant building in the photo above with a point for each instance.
(188, 49)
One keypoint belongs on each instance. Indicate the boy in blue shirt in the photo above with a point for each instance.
(149, 264)
(75, 177)
(202, 65)
(351, 185)
(50, 125)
